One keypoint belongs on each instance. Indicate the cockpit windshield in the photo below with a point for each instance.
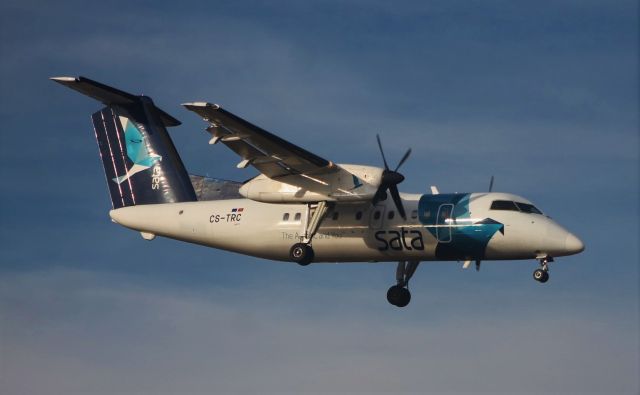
(508, 205)
(528, 208)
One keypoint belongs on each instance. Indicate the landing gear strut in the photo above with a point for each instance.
(399, 295)
(541, 275)
(302, 253)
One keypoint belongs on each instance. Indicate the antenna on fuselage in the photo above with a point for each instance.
(467, 263)
(491, 184)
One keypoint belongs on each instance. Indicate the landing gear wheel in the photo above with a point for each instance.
(301, 253)
(541, 275)
(545, 278)
(398, 296)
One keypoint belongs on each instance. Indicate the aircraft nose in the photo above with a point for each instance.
(573, 244)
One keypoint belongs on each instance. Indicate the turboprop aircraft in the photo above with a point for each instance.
(301, 207)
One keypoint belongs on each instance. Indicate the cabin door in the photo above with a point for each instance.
(444, 222)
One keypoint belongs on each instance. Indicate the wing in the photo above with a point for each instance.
(289, 173)
(270, 154)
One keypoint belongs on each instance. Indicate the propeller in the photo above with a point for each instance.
(390, 180)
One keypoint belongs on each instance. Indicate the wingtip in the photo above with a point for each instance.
(201, 104)
(63, 79)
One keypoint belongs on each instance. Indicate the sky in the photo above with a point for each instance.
(541, 95)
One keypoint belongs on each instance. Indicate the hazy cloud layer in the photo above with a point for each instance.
(87, 333)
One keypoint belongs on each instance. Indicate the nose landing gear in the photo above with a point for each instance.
(541, 275)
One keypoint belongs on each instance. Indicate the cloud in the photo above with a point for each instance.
(67, 331)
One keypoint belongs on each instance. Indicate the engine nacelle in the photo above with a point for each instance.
(361, 184)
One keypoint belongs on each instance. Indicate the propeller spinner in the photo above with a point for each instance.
(390, 180)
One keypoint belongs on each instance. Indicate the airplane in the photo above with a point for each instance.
(301, 207)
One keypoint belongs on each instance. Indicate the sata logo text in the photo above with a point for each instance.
(155, 177)
(392, 239)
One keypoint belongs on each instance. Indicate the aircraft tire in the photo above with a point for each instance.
(540, 276)
(301, 253)
(545, 278)
(398, 296)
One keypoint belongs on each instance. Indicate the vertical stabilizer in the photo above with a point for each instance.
(140, 161)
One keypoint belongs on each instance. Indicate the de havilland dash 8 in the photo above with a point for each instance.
(301, 207)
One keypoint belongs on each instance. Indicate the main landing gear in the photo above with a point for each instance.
(302, 253)
(399, 295)
(541, 275)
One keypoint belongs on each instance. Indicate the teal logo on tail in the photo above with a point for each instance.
(137, 150)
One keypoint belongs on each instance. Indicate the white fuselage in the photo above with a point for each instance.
(353, 232)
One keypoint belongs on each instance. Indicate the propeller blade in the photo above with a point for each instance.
(380, 195)
(491, 184)
(382, 152)
(390, 180)
(396, 199)
(404, 158)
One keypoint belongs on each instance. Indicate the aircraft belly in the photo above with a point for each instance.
(357, 244)
(329, 244)
(334, 246)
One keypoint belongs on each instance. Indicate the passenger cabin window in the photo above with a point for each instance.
(414, 214)
(391, 215)
(506, 205)
(359, 215)
(528, 208)
(376, 215)
(297, 217)
(285, 217)
(335, 216)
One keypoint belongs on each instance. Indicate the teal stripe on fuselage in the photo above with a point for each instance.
(448, 219)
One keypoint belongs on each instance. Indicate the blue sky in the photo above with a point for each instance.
(542, 95)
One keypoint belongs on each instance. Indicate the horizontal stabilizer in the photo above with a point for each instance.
(109, 95)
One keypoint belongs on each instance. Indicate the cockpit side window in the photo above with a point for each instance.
(528, 208)
(506, 205)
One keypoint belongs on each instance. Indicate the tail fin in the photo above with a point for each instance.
(140, 161)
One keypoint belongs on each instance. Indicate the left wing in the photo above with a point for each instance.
(282, 161)
(268, 153)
